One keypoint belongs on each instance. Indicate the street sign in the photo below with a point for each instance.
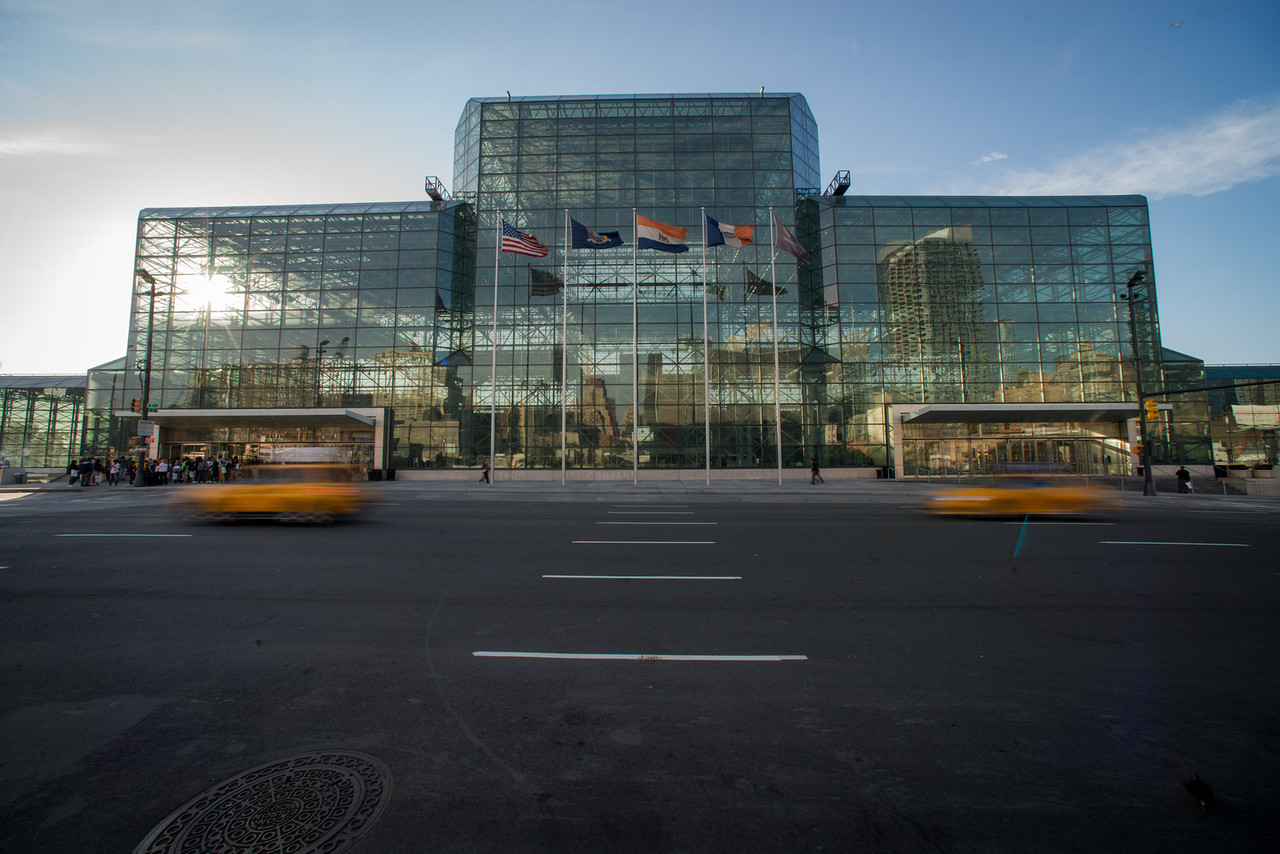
(153, 407)
(146, 428)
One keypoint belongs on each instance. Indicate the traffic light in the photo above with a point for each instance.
(1153, 409)
(1137, 450)
(137, 404)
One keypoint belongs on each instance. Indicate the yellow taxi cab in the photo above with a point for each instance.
(1017, 496)
(286, 493)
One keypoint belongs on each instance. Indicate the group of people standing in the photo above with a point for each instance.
(192, 470)
(92, 471)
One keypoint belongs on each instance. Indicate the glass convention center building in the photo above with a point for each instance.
(912, 335)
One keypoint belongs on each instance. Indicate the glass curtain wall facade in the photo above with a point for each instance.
(903, 303)
(977, 301)
(295, 308)
(105, 435)
(602, 161)
(40, 420)
(1184, 433)
(1245, 415)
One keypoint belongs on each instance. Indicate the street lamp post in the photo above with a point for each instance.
(1148, 485)
(320, 367)
(140, 478)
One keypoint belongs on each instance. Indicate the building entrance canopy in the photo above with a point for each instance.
(249, 431)
(274, 418)
(985, 413)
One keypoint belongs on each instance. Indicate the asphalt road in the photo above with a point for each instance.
(842, 674)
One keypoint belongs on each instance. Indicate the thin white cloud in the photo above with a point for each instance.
(49, 144)
(995, 155)
(100, 24)
(1237, 145)
(126, 36)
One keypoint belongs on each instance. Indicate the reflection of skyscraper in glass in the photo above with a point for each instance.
(930, 291)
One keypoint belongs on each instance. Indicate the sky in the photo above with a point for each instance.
(109, 108)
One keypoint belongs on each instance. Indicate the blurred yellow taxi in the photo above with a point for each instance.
(287, 493)
(1017, 497)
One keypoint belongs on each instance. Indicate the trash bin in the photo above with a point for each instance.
(375, 474)
(391, 474)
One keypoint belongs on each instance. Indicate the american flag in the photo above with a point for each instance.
(521, 243)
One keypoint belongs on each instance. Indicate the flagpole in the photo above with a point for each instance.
(635, 356)
(706, 379)
(493, 364)
(777, 385)
(564, 355)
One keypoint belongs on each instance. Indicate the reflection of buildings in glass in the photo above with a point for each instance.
(867, 434)
(742, 370)
(1245, 413)
(598, 426)
(423, 396)
(1099, 373)
(1083, 375)
(261, 385)
(1250, 433)
(1086, 374)
(930, 290)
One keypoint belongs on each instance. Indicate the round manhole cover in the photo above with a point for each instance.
(300, 804)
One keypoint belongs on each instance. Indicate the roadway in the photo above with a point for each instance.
(654, 669)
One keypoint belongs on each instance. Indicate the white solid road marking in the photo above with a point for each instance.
(1060, 523)
(636, 656)
(644, 542)
(658, 577)
(657, 523)
(655, 506)
(122, 535)
(650, 512)
(1159, 543)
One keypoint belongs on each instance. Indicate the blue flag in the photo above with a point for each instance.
(585, 238)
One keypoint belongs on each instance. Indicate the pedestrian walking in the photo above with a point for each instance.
(1184, 480)
(484, 472)
(815, 475)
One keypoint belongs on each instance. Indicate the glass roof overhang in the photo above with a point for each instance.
(985, 413)
(38, 381)
(986, 201)
(679, 96)
(277, 418)
(422, 206)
